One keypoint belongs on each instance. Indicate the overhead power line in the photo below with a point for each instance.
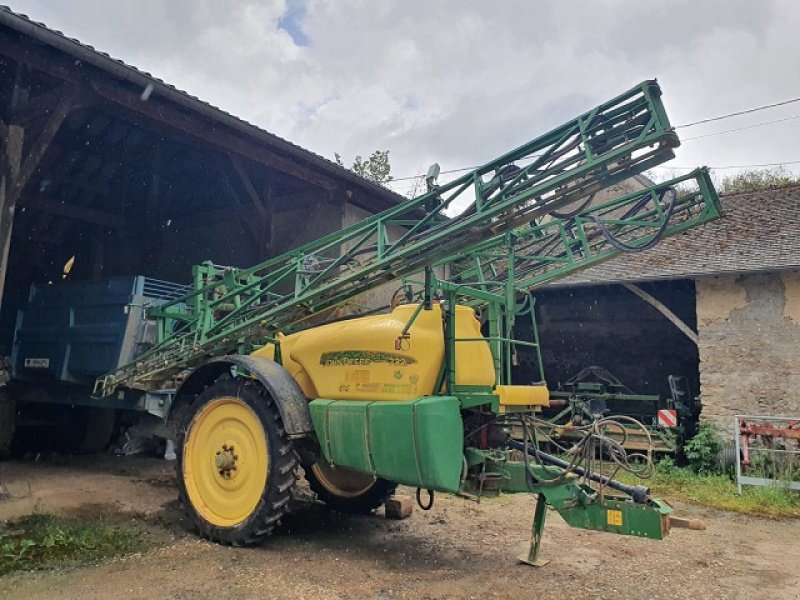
(663, 167)
(440, 173)
(736, 114)
(697, 137)
(775, 164)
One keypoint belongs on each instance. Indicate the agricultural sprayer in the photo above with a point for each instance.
(264, 375)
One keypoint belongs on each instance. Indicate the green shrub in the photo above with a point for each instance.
(703, 450)
(666, 465)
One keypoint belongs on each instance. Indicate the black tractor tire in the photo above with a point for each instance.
(8, 420)
(281, 471)
(358, 502)
(99, 424)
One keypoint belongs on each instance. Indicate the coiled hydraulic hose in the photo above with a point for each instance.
(638, 493)
(622, 246)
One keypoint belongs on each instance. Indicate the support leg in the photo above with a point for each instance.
(532, 557)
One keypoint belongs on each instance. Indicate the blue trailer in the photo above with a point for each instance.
(66, 336)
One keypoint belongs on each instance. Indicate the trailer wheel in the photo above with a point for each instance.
(348, 491)
(235, 464)
(8, 419)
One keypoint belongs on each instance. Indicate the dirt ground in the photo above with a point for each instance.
(459, 549)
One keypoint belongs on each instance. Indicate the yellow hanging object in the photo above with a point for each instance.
(68, 266)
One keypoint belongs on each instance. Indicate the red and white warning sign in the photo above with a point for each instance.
(668, 417)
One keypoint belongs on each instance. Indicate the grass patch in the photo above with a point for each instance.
(46, 541)
(719, 491)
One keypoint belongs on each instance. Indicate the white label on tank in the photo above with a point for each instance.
(37, 363)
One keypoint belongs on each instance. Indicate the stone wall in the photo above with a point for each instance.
(749, 330)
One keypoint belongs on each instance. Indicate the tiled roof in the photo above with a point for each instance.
(87, 54)
(759, 231)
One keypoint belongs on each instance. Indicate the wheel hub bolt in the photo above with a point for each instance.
(225, 460)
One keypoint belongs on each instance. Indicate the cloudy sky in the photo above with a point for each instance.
(460, 82)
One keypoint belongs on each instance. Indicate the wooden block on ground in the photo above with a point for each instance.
(399, 507)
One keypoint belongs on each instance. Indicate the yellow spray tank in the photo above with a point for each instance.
(362, 359)
(369, 383)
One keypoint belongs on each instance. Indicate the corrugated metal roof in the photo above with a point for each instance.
(116, 67)
(759, 231)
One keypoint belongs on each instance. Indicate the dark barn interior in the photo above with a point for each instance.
(132, 176)
(608, 326)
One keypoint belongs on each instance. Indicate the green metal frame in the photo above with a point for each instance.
(231, 309)
(579, 504)
(542, 252)
(499, 275)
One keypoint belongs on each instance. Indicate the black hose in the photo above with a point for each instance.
(573, 213)
(638, 493)
(529, 476)
(427, 506)
(622, 246)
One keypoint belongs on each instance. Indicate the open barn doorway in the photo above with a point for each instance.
(611, 327)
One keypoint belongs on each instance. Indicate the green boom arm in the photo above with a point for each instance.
(560, 245)
(231, 309)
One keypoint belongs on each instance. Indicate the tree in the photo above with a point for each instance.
(375, 168)
(756, 179)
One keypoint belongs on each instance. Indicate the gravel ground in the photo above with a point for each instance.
(459, 549)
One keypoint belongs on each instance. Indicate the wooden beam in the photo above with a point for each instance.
(262, 225)
(190, 219)
(307, 222)
(152, 228)
(19, 170)
(99, 189)
(148, 212)
(38, 238)
(9, 170)
(37, 58)
(269, 225)
(662, 308)
(246, 212)
(38, 149)
(163, 112)
(38, 106)
(248, 186)
(301, 201)
(73, 211)
(201, 128)
(250, 228)
(10, 167)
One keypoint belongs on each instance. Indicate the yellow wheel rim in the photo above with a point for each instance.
(342, 482)
(225, 461)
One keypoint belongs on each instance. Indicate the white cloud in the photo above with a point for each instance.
(458, 82)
